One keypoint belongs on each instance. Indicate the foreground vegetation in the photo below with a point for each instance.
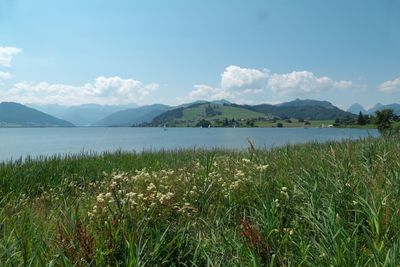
(332, 204)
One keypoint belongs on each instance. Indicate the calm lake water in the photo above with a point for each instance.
(16, 142)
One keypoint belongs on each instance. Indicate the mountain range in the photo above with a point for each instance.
(81, 115)
(17, 115)
(300, 109)
(357, 108)
(132, 116)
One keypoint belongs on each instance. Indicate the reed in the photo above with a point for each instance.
(331, 204)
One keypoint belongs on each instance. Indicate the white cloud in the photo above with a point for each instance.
(303, 82)
(390, 86)
(237, 78)
(104, 90)
(6, 55)
(205, 92)
(343, 84)
(235, 82)
(5, 76)
(252, 85)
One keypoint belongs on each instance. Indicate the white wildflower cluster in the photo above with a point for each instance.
(167, 192)
(145, 191)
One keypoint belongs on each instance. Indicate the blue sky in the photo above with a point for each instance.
(119, 52)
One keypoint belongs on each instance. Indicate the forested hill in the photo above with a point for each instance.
(298, 109)
(17, 115)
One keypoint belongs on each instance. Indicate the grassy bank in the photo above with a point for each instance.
(304, 205)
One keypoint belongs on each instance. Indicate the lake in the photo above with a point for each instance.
(21, 142)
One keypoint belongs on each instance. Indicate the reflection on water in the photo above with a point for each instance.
(16, 143)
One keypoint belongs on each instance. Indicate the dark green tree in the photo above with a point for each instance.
(203, 123)
(361, 119)
(225, 122)
(383, 120)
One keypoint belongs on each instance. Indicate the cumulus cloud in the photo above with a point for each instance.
(235, 82)
(303, 82)
(237, 78)
(104, 90)
(206, 92)
(238, 84)
(5, 76)
(6, 55)
(390, 86)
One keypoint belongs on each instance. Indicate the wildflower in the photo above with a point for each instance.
(291, 232)
(276, 201)
(262, 167)
(151, 187)
(100, 198)
(133, 203)
(130, 195)
(245, 160)
(240, 173)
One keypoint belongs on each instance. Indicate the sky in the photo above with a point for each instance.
(72, 52)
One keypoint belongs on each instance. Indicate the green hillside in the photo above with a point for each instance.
(228, 114)
(213, 111)
(210, 112)
(132, 116)
(17, 115)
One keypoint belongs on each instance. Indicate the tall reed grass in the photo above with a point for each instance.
(331, 204)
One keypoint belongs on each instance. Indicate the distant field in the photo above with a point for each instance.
(332, 204)
(367, 126)
(197, 113)
(295, 123)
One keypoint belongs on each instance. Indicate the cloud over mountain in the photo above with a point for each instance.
(237, 83)
(303, 82)
(237, 78)
(104, 90)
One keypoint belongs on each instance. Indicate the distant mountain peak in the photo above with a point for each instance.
(306, 102)
(221, 102)
(356, 109)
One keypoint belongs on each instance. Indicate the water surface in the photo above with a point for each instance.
(21, 142)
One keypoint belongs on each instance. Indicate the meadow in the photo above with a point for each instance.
(331, 204)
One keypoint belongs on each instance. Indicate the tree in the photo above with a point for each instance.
(225, 122)
(361, 119)
(203, 123)
(383, 120)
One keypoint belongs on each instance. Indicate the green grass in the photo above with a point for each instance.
(198, 113)
(366, 126)
(332, 204)
(295, 123)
